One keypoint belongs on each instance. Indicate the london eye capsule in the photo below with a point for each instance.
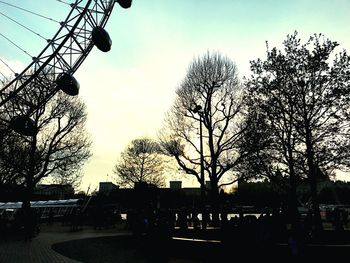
(124, 3)
(67, 83)
(101, 39)
(23, 125)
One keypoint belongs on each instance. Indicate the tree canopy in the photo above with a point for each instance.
(141, 161)
(303, 93)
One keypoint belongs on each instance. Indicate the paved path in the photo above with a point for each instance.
(38, 250)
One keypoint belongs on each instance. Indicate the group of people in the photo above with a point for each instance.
(265, 227)
(145, 220)
(21, 220)
(339, 218)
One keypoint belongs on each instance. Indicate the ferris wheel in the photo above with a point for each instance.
(55, 64)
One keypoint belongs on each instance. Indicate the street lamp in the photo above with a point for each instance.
(198, 109)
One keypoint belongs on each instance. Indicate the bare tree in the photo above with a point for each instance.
(205, 126)
(141, 161)
(10, 147)
(73, 179)
(60, 144)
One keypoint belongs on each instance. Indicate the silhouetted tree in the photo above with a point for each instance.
(259, 139)
(260, 194)
(58, 148)
(272, 99)
(141, 161)
(10, 147)
(73, 179)
(305, 97)
(209, 96)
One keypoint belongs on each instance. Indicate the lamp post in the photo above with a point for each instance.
(198, 109)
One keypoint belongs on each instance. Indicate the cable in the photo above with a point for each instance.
(7, 67)
(18, 23)
(13, 43)
(64, 2)
(31, 12)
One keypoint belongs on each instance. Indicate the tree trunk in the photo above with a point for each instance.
(214, 202)
(28, 214)
(313, 183)
(293, 205)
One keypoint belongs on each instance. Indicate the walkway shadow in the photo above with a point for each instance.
(126, 249)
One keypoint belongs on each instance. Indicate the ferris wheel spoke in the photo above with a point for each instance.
(29, 11)
(63, 2)
(16, 45)
(25, 27)
(52, 70)
(7, 67)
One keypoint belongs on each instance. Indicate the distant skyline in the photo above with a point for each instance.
(128, 90)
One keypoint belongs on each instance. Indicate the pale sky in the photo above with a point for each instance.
(128, 90)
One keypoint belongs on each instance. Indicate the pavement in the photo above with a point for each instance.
(38, 250)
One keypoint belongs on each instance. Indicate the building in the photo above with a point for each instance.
(175, 185)
(54, 191)
(188, 191)
(107, 187)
